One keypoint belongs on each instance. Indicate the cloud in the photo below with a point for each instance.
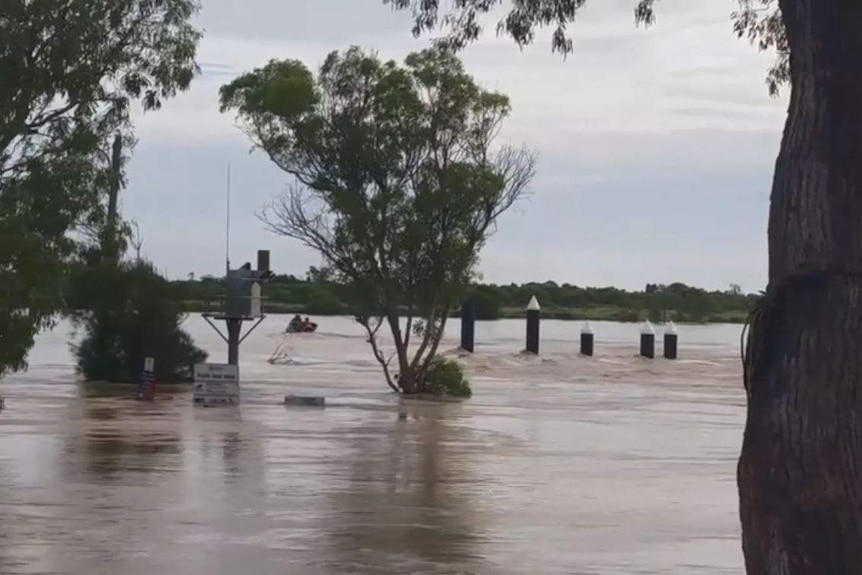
(656, 146)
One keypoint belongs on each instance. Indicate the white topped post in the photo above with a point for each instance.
(647, 340)
(587, 339)
(533, 311)
(671, 341)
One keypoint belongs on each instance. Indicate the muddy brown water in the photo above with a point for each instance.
(558, 465)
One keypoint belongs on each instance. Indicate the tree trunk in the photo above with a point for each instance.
(405, 375)
(111, 242)
(800, 471)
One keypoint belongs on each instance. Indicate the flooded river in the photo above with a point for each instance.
(558, 465)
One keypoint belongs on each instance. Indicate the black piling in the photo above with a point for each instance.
(263, 260)
(670, 341)
(533, 310)
(234, 326)
(468, 325)
(587, 340)
(648, 340)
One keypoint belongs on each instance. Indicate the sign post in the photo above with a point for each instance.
(216, 384)
(242, 303)
(147, 381)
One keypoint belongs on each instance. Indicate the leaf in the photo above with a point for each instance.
(68, 72)
(758, 20)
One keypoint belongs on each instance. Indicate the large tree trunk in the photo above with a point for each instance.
(800, 471)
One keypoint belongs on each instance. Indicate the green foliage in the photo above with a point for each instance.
(129, 312)
(446, 377)
(68, 72)
(36, 213)
(324, 302)
(758, 20)
(488, 305)
(676, 301)
(761, 22)
(396, 186)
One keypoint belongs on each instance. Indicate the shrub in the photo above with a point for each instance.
(130, 312)
(446, 377)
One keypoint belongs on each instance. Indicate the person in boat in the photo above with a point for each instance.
(295, 324)
(308, 325)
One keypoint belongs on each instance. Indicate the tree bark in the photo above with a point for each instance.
(800, 470)
(111, 242)
(405, 376)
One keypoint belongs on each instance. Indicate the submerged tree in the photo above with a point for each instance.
(396, 183)
(69, 70)
(799, 484)
(127, 310)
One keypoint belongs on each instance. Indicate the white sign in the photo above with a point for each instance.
(149, 364)
(216, 372)
(216, 387)
(213, 400)
(216, 384)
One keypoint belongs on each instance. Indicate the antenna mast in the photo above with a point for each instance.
(227, 225)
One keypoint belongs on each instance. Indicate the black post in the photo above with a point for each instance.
(648, 340)
(587, 340)
(468, 325)
(263, 260)
(533, 310)
(670, 341)
(234, 325)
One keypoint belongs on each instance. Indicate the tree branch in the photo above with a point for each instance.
(372, 339)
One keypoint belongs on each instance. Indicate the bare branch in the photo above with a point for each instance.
(378, 354)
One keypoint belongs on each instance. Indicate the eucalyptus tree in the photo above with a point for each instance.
(397, 183)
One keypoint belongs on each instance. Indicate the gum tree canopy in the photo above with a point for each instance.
(68, 72)
(799, 472)
(396, 182)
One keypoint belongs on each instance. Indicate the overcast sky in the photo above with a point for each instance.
(656, 146)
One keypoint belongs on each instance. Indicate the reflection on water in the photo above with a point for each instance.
(557, 465)
(427, 522)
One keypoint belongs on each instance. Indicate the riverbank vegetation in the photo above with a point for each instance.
(315, 294)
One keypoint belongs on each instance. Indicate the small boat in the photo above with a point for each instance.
(308, 328)
(299, 326)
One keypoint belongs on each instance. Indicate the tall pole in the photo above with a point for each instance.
(227, 224)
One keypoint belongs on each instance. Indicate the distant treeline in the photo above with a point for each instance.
(314, 295)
